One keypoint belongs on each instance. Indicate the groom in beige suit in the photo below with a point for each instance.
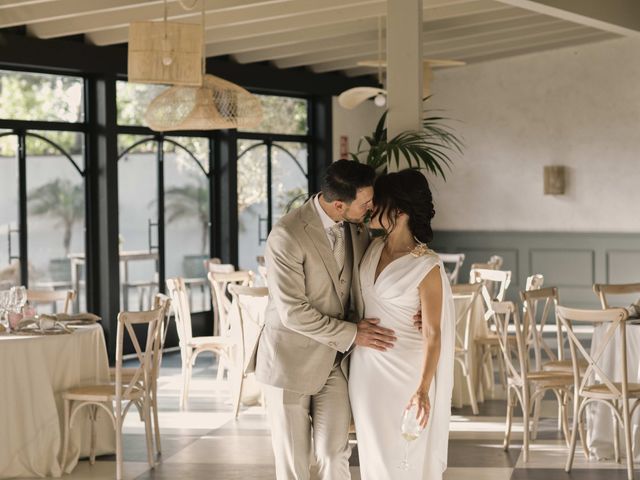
(313, 319)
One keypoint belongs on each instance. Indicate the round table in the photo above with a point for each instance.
(34, 372)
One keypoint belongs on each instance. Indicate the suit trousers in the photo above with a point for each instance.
(304, 425)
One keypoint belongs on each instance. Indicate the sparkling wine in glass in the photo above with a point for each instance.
(411, 430)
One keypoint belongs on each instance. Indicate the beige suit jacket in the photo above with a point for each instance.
(307, 322)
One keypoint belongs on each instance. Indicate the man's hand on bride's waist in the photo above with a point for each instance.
(371, 335)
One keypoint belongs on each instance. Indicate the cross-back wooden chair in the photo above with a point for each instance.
(151, 389)
(452, 263)
(52, 297)
(250, 304)
(594, 385)
(605, 291)
(524, 385)
(219, 282)
(190, 346)
(123, 394)
(215, 265)
(496, 283)
(465, 296)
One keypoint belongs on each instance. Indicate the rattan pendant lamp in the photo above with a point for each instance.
(213, 104)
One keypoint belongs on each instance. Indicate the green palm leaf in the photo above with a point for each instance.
(430, 148)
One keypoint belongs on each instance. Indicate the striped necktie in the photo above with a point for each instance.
(338, 245)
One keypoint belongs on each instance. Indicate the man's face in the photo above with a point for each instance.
(356, 211)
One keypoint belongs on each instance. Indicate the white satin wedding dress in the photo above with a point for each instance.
(381, 383)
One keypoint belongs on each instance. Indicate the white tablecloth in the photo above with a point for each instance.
(34, 372)
(599, 417)
(460, 395)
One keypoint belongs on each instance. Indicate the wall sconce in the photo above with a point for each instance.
(554, 180)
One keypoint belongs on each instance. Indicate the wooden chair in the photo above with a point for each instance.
(496, 283)
(219, 282)
(190, 346)
(246, 324)
(524, 385)
(52, 297)
(595, 385)
(151, 389)
(215, 265)
(467, 293)
(455, 260)
(603, 290)
(121, 392)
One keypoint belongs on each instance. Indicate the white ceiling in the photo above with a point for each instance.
(333, 35)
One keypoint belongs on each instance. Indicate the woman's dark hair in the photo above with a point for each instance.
(406, 191)
(344, 178)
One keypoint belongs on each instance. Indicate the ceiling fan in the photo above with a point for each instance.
(353, 97)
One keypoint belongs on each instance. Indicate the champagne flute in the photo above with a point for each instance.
(411, 430)
(20, 293)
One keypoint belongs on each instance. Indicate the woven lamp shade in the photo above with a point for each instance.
(148, 48)
(218, 104)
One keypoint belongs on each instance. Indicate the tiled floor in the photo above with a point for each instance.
(204, 442)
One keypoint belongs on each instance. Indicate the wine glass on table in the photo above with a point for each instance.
(411, 430)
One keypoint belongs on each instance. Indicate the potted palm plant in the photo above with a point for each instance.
(429, 148)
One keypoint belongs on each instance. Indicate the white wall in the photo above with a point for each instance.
(578, 107)
(353, 123)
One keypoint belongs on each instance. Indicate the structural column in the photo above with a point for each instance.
(404, 67)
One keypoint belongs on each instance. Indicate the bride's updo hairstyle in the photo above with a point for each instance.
(405, 191)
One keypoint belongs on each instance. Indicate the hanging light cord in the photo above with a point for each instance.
(380, 51)
(204, 43)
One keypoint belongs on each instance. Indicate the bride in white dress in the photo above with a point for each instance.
(400, 276)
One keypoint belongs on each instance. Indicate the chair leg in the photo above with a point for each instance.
(616, 439)
(238, 396)
(222, 364)
(574, 435)
(564, 413)
(147, 430)
(472, 393)
(537, 405)
(626, 417)
(118, 442)
(526, 408)
(93, 412)
(507, 430)
(65, 439)
(186, 379)
(156, 425)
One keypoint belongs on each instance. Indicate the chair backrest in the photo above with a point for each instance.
(535, 318)
(612, 319)
(164, 302)
(219, 282)
(464, 296)
(211, 261)
(497, 261)
(603, 290)
(534, 282)
(180, 301)
(144, 352)
(501, 315)
(247, 318)
(52, 297)
(452, 261)
(496, 281)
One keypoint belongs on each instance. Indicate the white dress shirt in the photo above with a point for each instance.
(327, 221)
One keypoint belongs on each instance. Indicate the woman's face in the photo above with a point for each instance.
(381, 222)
